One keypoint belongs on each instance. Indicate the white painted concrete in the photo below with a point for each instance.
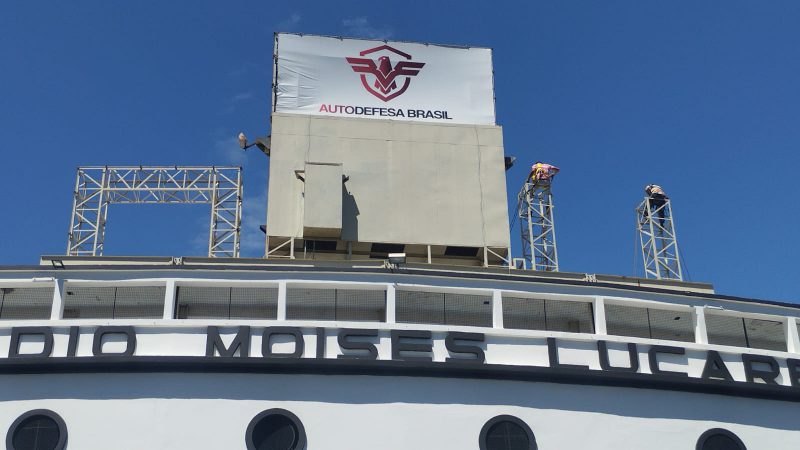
(202, 411)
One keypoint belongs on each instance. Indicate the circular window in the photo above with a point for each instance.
(275, 429)
(507, 433)
(719, 439)
(40, 429)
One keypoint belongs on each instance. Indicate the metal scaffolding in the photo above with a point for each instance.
(98, 187)
(658, 240)
(535, 212)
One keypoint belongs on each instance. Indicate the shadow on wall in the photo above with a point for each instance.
(640, 403)
(350, 214)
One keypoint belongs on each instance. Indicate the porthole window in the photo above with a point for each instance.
(275, 429)
(40, 429)
(507, 433)
(719, 439)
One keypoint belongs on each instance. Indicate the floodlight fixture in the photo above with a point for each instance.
(263, 143)
(397, 258)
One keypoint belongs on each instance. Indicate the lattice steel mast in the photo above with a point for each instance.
(535, 212)
(658, 241)
(97, 187)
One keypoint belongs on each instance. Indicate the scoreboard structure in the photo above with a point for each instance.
(382, 147)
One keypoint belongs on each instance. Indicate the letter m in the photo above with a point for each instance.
(241, 342)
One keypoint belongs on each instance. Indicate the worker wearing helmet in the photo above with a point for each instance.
(657, 199)
(542, 172)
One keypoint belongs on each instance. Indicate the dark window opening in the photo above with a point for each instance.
(275, 429)
(320, 246)
(382, 250)
(211, 302)
(335, 304)
(141, 302)
(719, 439)
(649, 323)
(470, 252)
(443, 308)
(745, 332)
(37, 430)
(548, 315)
(507, 433)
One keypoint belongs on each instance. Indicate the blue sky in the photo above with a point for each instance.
(700, 97)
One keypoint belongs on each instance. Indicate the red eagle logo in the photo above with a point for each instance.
(385, 75)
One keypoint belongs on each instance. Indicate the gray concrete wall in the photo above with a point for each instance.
(323, 200)
(409, 183)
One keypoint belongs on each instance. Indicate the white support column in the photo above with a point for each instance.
(281, 300)
(700, 332)
(792, 335)
(169, 300)
(497, 309)
(390, 303)
(57, 310)
(599, 305)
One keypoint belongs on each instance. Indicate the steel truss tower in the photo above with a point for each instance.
(658, 241)
(535, 212)
(98, 187)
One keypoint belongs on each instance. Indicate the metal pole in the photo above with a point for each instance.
(213, 225)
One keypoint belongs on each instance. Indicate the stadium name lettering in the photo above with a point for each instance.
(410, 345)
(384, 112)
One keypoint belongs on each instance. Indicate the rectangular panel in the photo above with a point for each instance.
(671, 325)
(572, 317)
(765, 334)
(361, 305)
(468, 310)
(725, 330)
(203, 302)
(627, 321)
(26, 303)
(139, 302)
(523, 313)
(419, 307)
(310, 304)
(254, 303)
(322, 200)
(89, 302)
(370, 79)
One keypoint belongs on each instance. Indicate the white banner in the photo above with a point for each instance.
(383, 80)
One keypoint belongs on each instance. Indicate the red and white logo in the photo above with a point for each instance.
(380, 77)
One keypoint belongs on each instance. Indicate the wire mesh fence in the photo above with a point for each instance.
(443, 308)
(26, 303)
(202, 302)
(547, 315)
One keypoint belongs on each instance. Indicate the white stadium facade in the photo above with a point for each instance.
(387, 312)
